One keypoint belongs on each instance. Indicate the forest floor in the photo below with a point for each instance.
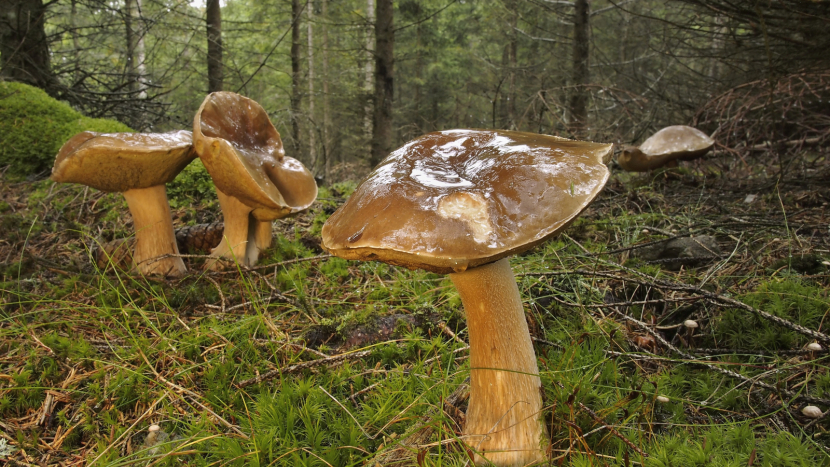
(310, 360)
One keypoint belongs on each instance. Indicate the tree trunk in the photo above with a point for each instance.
(130, 38)
(512, 66)
(24, 50)
(384, 81)
(214, 50)
(312, 144)
(326, 109)
(296, 10)
(369, 70)
(581, 50)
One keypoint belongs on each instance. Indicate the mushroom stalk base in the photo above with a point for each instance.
(504, 415)
(154, 232)
(244, 236)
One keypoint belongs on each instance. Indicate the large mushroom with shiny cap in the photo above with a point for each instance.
(255, 182)
(460, 202)
(667, 146)
(137, 165)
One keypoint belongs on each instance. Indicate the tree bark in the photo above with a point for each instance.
(512, 66)
(214, 50)
(384, 81)
(130, 39)
(369, 70)
(312, 141)
(581, 50)
(326, 108)
(24, 50)
(296, 98)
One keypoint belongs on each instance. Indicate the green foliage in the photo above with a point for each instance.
(34, 126)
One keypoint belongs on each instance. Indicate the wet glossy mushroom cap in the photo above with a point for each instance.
(243, 153)
(680, 141)
(457, 199)
(123, 161)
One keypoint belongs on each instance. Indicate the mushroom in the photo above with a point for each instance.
(138, 165)
(255, 182)
(667, 146)
(460, 202)
(811, 411)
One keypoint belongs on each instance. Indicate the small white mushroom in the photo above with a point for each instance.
(811, 411)
(663, 399)
(690, 324)
(814, 347)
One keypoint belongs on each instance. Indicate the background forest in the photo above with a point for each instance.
(679, 322)
(603, 70)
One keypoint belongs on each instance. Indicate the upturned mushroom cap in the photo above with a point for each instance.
(681, 141)
(457, 199)
(243, 153)
(117, 162)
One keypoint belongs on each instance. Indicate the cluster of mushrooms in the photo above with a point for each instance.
(255, 181)
(457, 202)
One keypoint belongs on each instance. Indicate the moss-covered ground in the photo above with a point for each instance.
(308, 360)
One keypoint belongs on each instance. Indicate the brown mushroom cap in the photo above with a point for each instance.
(243, 153)
(123, 161)
(457, 199)
(680, 141)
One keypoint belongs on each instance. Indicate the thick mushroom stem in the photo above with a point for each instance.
(154, 232)
(234, 245)
(260, 236)
(504, 415)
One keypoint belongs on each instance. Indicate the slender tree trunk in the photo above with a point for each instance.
(296, 98)
(717, 45)
(326, 109)
(512, 66)
(141, 58)
(73, 23)
(214, 50)
(418, 66)
(581, 50)
(369, 70)
(384, 81)
(312, 144)
(24, 50)
(132, 76)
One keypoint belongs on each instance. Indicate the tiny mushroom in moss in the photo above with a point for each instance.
(666, 147)
(811, 411)
(255, 182)
(138, 165)
(460, 202)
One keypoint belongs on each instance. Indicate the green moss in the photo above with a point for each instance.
(34, 126)
(792, 299)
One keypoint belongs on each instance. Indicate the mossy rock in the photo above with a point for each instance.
(34, 126)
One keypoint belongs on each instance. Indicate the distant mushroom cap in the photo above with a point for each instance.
(243, 153)
(690, 323)
(457, 199)
(673, 143)
(117, 162)
(681, 141)
(814, 347)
